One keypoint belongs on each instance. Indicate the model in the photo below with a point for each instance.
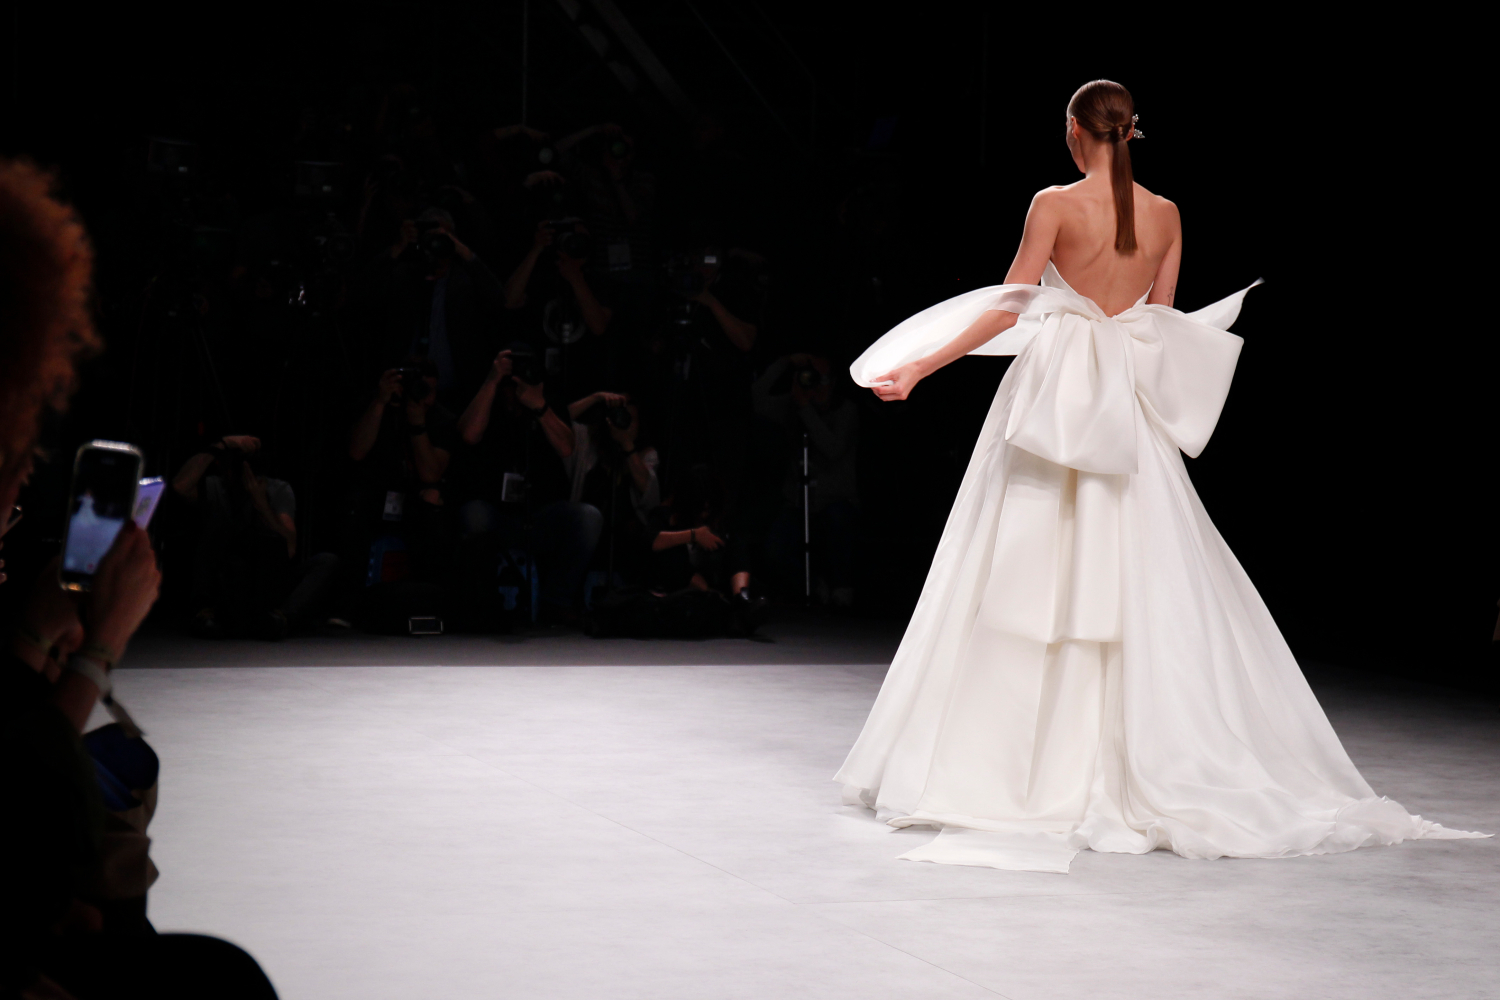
(1089, 666)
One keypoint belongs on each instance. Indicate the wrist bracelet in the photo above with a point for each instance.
(88, 666)
(100, 651)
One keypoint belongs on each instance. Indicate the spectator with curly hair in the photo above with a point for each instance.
(71, 932)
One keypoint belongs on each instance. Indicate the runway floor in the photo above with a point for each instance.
(554, 817)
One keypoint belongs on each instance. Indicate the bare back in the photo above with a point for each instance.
(1073, 226)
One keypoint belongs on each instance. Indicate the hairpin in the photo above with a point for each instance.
(1135, 132)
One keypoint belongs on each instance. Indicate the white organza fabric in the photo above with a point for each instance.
(1088, 665)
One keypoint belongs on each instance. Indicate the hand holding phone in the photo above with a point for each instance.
(106, 481)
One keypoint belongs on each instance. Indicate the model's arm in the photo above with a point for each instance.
(1164, 287)
(1037, 240)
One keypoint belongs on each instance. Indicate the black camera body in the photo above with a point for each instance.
(619, 416)
(413, 385)
(435, 246)
(526, 366)
(567, 240)
(808, 377)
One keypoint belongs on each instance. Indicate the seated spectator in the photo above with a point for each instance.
(796, 394)
(607, 454)
(518, 491)
(401, 446)
(245, 574)
(691, 544)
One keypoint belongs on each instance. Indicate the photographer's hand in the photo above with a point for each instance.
(530, 396)
(407, 237)
(704, 536)
(367, 428)
(242, 442)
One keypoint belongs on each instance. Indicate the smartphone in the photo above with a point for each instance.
(106, 481)
(147, 496)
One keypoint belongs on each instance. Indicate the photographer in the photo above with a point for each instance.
(796, 394)
(245, 577)
(608, 454)
(438, 301)
(693, 548)
(701, 357)
(516, 481)
(555, 298)
(401, 446)
(66, 934)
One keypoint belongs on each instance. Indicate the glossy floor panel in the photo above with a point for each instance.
(566, 829)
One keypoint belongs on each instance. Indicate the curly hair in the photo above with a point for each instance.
(46, 318)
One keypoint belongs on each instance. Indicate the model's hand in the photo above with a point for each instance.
(124, 588)
(902, 381)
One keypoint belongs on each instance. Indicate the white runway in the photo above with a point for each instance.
(670, 831)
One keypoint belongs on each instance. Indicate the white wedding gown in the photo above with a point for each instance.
(1088, 665)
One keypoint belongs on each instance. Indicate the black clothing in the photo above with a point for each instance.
(453, 319)
(513, 442)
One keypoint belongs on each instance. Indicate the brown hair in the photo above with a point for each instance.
(1107, 112)
(46, 322)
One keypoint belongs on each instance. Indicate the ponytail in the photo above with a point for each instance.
(1123, 182)
(1107, 112)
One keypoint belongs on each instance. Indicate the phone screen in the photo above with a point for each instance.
(106, 478)
(146, 499)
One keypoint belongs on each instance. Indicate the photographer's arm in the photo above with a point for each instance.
(475, 419)
(366, 430)
(595, 315)
(283, 524)
(185, 483)
(515, 285)
(701, 535)
(740, 333)
(367, 427)
(559, 434)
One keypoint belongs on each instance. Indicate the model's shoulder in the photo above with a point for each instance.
(1053, 194)
(1052, 199)
(1155, 201)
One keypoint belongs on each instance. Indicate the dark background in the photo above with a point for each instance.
(1352, 469)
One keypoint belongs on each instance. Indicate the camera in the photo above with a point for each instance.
(525, 365)
(808, 378)
(619, 416)
(567, 240)
(436, 245)
(413, 385)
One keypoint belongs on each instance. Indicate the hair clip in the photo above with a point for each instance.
(1135, 132)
